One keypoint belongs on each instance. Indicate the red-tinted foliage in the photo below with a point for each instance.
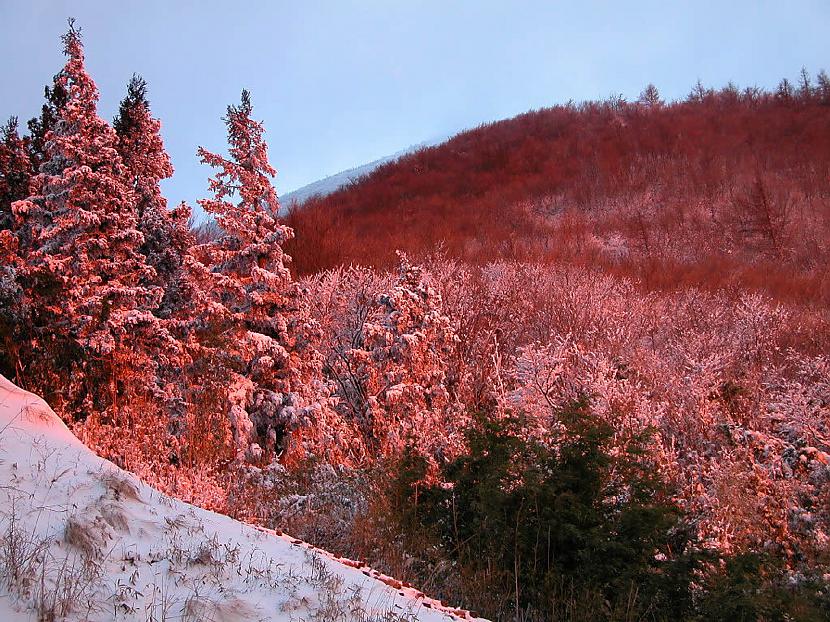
(543, 183)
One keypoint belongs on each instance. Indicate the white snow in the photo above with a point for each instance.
(327, 185)
(83, 539)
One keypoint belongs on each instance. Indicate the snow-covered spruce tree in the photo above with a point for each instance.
(15, 171)
(15, 175)
(56, 97)
(271, 402)
(82, 271)
(391, 379)
(142, 151)
(166, 238)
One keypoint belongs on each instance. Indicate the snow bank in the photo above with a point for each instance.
(82, 539)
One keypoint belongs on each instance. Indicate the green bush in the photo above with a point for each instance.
(522, 530)
(752, 586)
(533, 527)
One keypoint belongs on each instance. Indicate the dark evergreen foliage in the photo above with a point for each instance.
(576, 531)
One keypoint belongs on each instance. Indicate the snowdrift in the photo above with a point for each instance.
(83, 540)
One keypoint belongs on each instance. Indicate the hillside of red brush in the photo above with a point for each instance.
(727, 188)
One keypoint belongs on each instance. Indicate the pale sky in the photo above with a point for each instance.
(342, 83)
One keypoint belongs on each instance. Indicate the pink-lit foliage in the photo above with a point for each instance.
(76, 246)
(387, 356)
(733, 386)
(270, 357)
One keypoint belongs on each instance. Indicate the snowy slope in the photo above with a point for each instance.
(327, 185)
(83, 539)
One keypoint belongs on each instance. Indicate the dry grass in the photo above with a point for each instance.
(336, 603)
(55, 585)
(89, 537)
(121, 486)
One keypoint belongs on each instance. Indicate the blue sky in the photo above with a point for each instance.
(342, 83)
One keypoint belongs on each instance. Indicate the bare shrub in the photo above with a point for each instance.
(336, 603)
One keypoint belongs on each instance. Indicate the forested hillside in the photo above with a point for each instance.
(727, 186)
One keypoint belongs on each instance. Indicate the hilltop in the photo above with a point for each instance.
(725, 186)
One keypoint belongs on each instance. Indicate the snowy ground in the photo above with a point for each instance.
(81, 539)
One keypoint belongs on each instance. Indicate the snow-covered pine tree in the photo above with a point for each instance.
(15, 175)
(83, 271)
(276, 368)
(56, 96)
(167, 235)
(15, 171)
(166, 241)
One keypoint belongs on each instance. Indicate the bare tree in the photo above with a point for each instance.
(763, 215)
